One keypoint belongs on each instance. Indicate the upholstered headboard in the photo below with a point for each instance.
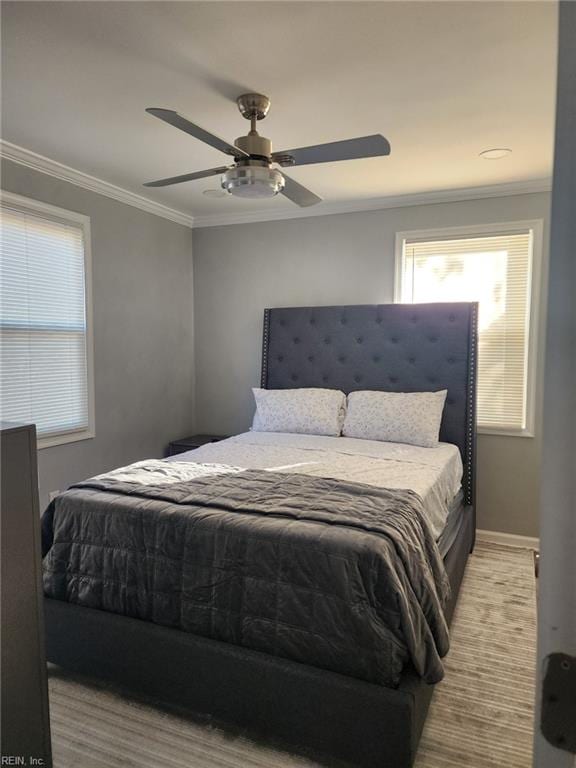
(391, 347)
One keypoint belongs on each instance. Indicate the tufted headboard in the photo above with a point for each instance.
(390, 347)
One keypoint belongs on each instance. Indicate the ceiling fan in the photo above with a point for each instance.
(252, 174)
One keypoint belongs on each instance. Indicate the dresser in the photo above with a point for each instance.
(25, 725)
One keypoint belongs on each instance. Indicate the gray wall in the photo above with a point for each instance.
(341, 259)
(143, 331)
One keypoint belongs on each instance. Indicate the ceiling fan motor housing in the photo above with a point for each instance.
(255, 145)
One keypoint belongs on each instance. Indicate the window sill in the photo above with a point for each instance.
(69, 437)
(504, 432)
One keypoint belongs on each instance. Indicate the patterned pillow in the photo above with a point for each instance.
(396, 417)
(308, 411)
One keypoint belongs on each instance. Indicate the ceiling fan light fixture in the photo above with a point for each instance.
(249, 181)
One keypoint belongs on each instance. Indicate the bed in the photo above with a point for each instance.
(334, 707)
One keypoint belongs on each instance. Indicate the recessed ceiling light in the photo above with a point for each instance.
(215, 193)
(495, 154)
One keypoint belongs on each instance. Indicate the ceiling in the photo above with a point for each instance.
(441, 80)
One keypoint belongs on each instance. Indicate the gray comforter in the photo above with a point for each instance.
(333, 574)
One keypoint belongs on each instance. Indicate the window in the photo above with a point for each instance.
(45, 340)
(495, 266)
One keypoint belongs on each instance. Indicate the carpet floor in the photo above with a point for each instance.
(480, 716)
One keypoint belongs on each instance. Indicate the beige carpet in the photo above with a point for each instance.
(481, 714)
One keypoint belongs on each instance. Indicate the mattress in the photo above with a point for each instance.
(453, 523)
(435, 474)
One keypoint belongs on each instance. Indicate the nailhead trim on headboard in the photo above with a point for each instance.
(265, 338)
(469, 490)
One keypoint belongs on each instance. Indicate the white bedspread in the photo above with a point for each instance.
(435, 474)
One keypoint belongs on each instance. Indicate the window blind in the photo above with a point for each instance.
(494, 271)
(43, 373)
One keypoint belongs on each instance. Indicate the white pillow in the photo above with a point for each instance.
(395, 417)
(308, 411)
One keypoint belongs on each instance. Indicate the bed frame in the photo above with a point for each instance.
(336, 719)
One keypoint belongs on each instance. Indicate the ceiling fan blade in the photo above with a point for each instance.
(299, 194)
(186, 177)
(178, 121)
(349, 149)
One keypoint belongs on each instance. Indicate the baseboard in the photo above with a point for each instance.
(512, 539)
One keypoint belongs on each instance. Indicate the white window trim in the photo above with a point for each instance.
(27, 204)
(536, 226)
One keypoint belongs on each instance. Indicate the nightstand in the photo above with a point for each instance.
(189, 443)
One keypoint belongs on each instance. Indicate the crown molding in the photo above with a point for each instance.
(528, 187)
(63, 172)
